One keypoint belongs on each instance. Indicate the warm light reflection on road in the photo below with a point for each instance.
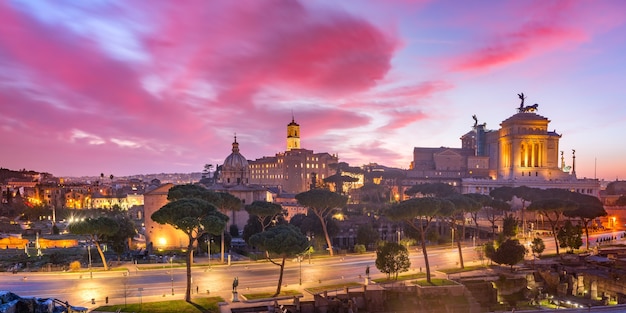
(89, 289)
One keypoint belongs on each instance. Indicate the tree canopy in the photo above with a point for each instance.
(282, 241)
(509, 253)
(192, 191)
(418, 213)
(119, 241)
(194, 217)
(322, 203)
(552, 209)
(463, 204)
(96, 229)
(392, 258)
(589, 208)
(570, 236)
(264, 211)
(537, 246)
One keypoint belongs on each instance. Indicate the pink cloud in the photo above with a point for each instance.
(255, 44)
(517, 46)
(402, 105)
(510, 38)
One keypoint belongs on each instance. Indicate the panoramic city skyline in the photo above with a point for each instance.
(141, 87)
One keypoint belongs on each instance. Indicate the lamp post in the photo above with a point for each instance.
(300, 261)
(208, 244)
(172, 273)
(310, 238)
(452, 235)
(89, 252)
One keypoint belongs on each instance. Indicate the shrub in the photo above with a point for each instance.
(359, 249)
(75, 265)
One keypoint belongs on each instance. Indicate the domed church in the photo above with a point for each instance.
(235, 170)
(234, 178)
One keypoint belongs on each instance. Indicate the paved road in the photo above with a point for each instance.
(80, 288)
(147, 282)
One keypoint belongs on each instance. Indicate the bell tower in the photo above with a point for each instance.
(293, 135)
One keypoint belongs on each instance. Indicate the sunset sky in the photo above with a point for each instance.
(138, 87)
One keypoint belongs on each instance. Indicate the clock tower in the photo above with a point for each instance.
(293, 135)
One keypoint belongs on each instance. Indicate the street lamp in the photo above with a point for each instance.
(89, 252)
(172, 272)
(452, 235)
(310, 238)
(208, 244)
(300, 261)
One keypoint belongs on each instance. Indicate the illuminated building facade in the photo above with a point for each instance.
(292, 171)
(160, 236)
(233, 178)
(522, 152)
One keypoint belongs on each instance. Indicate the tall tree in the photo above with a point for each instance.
(194, 217)
(312, 227)
(537, 246)
(323, 203)
(121, 239)
(510, 226)
(523, 193)
(494, 211)
(217, 199)
(227, 203)
(392, 258)
(462, 204)
(552, 209)
(265, 212)
(509, 252)
(419, 213)
(192, 191)
(483, 201)
(589, 208)
(570, 236)
(282, 241)
(96, 229)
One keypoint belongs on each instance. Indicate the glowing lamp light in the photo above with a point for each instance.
(162, 241)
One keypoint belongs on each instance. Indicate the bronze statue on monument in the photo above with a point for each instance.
(528, 108)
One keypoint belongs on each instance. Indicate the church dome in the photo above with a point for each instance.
(235, 161)
(235, 170)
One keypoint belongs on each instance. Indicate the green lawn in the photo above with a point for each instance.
(266, 295)
(434, 282)
(466, 269)
(198, 305)
(400, 278)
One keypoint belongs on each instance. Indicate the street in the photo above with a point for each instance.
(153, 280)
